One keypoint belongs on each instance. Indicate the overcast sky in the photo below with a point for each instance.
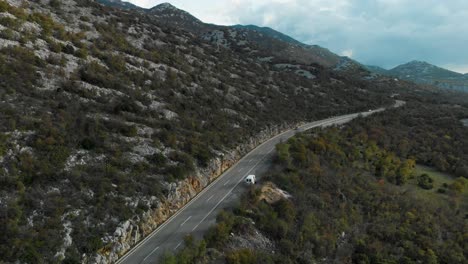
(375, 32)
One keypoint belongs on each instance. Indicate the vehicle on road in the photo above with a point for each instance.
(250, 179)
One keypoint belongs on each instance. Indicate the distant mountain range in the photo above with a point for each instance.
(267, 44)
(426, 73)
(263, 42)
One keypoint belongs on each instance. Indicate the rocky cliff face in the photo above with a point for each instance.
(130, 232)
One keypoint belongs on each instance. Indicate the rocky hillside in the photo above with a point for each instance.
(262, 43)
(271, 32)
(112, 118)
(425, 73)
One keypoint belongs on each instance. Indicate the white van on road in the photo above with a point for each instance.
(250, 179)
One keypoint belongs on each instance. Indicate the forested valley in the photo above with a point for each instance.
(356, 196)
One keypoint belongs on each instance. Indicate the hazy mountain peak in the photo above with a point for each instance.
(165, 6)
(177, 15)
(422, 68)
(419, 63)
(426, 73)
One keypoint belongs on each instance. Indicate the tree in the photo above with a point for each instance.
(425, 181)
(404, 171)
(241, 256)
(459, 185)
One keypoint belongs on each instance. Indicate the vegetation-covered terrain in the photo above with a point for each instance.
(102, 109)
(356, 196)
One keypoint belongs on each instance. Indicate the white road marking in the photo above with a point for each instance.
(210, 198)
(227, 194)
(177, 245)
(150, 254)
(186, 220)
(226, 182)
(241, 169)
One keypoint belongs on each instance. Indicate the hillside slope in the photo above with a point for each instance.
(111, 120)
(259, 42)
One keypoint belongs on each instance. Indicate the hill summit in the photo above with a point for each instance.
(426, 73)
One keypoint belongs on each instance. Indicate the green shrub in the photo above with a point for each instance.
(158, 159)
(241, 256)
(84, 18)
(459, 185)
(4, 6)
(425, 181)
(54, 59)
(55, 4)
(54, 46)
(3, 144)
(88, 143)
(115, 62)
(69, 49)
(9, 22)
(178, 172)
(45, 21)
(82, 53)
(7, 34)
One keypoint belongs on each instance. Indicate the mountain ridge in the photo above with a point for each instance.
(249, 38)
(426, 73)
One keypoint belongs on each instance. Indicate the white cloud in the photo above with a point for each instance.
(461, 68)
(347, 53)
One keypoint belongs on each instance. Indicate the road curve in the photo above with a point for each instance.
(199, 214)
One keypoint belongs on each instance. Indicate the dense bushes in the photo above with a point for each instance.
(18, 70)
(343, 207)
(432, 134)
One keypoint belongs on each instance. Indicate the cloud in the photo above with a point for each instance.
(461, 68)
(378, 32)
(348, 53)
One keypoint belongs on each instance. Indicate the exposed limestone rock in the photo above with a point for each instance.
(250, 238)
(6, 43)
(169, 115)
(271, 194)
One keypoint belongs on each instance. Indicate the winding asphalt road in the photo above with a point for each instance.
(200, 213)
